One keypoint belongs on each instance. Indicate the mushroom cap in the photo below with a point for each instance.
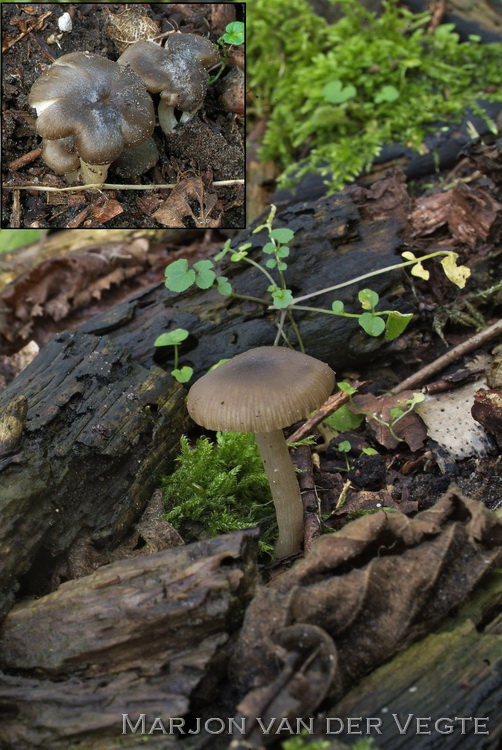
(178, 76)
(261, 390)
(194, 47)
(102, 104)
(133, 162)
(61, 155)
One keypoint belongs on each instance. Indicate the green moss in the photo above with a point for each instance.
(342, 91)
(218, 488)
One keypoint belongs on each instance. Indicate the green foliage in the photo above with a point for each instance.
(175, 338)
(10, 239)
(221, 486)
(302, 742)
(366, 79)
(180, 277)
(234, 33)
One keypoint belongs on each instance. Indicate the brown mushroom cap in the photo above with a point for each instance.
(133, 162)
(261, 390)
(194, 47)
(102, 104)
(176, 71)
(61, 155)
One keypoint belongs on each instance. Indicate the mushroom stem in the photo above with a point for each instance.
(167, 118)
(285, 491)
(92, 174)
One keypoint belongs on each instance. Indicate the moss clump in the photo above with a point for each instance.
(340, 92)
(218, 488)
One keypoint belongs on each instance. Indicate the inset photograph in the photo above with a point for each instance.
(123, 115)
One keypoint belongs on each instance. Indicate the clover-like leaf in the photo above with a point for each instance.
(271, 263)
(282, 235)
(374, 325)
(282, 297)
(386, 94)
(282, 251)
(336, 93)
(337, 306)
(224, 250)
(269, 248)
(457, 274)
(347, 387)
(396, 323)
(368, 299)
(171, 338)
(234, 33)
(182, 375)
(205, 274)
(344, 419)
(179, 277)
(419, 270)
(224, 286)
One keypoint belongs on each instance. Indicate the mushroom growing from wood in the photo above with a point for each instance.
(99, 104)
(177, 71)
(262, 391)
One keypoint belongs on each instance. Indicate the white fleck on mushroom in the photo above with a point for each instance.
(262, 391)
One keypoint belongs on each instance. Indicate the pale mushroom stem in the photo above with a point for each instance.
(93, 174)
(285, 491)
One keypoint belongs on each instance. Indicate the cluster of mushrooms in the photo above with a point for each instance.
(264, 390)
(92, 112)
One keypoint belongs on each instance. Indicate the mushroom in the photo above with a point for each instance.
(99, 103)
(132, 162)
(176, 71)
(61, 156)
(262, 391)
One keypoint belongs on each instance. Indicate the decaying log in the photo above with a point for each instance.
(140, 635)
(452, 676)
(100, 432)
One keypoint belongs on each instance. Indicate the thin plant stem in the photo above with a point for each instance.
(370, 275)
(296, 330)
(280, 328)
(260, 268)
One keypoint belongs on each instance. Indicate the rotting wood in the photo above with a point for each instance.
(100, 432)
(140, 635)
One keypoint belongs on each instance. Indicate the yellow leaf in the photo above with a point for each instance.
(408, 255)
(420, 271)
(457, 274)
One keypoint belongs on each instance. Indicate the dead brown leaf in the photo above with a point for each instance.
(178, 206)
(410, 428)
(373, 588)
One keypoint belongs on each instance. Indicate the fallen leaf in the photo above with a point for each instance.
(373, 588)
(178, 207)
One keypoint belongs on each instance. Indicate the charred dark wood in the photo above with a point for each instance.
(101, 430)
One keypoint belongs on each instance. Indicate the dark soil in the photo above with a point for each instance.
(210, 147)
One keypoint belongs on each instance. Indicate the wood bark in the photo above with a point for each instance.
(140, 635)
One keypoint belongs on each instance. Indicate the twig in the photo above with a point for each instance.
(25, 159)
(38, 22)
(106, 186)
(330, 405)
(310, 500)
(446, 359)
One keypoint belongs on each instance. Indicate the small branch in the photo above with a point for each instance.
(38, 23)
(106, 186)
(330, 405)
(418, 378)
